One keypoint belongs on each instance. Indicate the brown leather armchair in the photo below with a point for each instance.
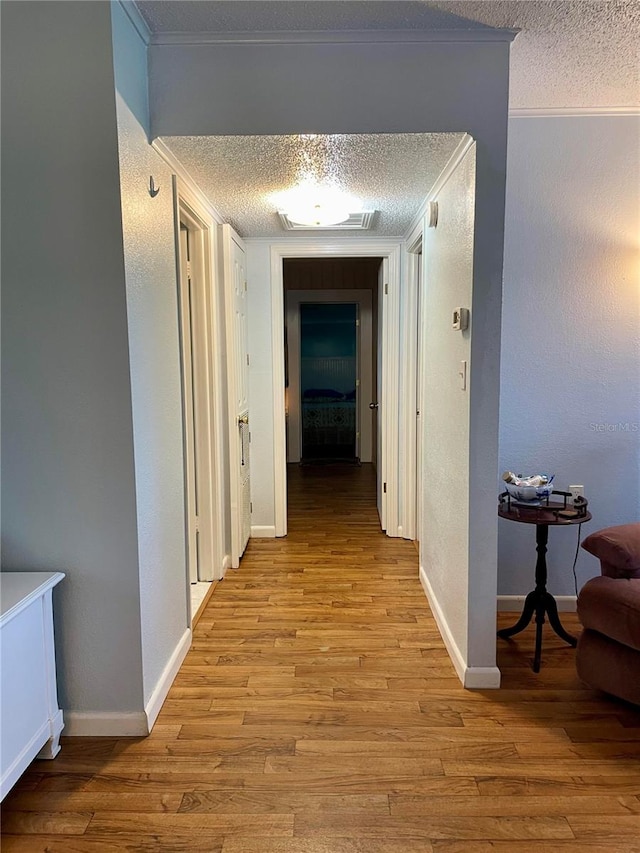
(608, 653)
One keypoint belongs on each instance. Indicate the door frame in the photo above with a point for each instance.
(390, 344)
(363, 298)
(189, 209)
(192, 429)
(410, 523)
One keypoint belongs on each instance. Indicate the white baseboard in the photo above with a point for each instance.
(52, 746)
(472, 677)
(105, 724)
(515, 603)
(482, 678)
(166, 679)
(263, 531)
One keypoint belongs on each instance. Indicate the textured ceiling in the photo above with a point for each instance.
(261, 15)
(570, 53)
(389, 173)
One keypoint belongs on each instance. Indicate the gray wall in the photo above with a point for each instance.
(272, 88)
(69, 498)
(152, 310)
(570, 389)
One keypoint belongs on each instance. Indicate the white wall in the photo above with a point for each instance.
(69, 500)
(445, 556)
(571, 329)
(152, 312)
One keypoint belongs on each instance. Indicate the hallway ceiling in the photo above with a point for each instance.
(570, 53)
(389, 173)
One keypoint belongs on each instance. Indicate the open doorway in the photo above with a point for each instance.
(332, 378)
(330, 359)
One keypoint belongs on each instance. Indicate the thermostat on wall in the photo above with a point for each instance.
(460, 319)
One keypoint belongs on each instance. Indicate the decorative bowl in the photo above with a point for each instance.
(529, 494)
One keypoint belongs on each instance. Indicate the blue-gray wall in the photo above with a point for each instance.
(154, 346)
(570, 389)
(68, 481)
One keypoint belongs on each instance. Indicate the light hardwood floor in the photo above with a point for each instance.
(318, 712)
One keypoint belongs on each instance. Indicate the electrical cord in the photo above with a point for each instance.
(575, 560)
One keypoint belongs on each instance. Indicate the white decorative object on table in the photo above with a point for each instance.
(536, 487)
(30, 719)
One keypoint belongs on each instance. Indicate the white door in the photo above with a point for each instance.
(196, 407)
(383, 279)
(238, 376)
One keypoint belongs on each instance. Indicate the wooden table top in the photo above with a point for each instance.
(543, 514)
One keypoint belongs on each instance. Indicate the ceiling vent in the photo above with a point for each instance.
(356, 222)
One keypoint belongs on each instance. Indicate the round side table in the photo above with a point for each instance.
(539, 601)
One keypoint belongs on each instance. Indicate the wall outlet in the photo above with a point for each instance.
(576, 491)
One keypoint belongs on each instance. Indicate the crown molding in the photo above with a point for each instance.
(571, 112)
(187, 179)
(336, 37)
(135, 16)
(461, 149)
(326, 245)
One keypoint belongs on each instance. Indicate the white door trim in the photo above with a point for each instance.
(188, 206)
(188, 365)
(361, 297)
(408, 384)
(341, 248)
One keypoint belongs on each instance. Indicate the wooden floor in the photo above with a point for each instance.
(317, 712)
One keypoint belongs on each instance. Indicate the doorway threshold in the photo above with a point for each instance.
(201, 592)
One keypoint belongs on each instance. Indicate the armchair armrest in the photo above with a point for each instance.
(618, 549)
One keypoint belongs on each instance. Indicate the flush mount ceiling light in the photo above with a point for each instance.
(318, 213)
(312, 205)
(361, 221)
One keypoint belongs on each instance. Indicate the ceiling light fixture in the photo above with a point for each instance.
(318, 214)
(316, 206)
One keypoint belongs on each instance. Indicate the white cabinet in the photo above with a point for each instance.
(30, 720)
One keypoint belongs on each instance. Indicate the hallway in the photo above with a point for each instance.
(318, 712)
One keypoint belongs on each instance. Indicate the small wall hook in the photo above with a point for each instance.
(153, 190)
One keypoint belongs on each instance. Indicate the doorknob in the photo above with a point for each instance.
(243, 419)
(373, 405)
